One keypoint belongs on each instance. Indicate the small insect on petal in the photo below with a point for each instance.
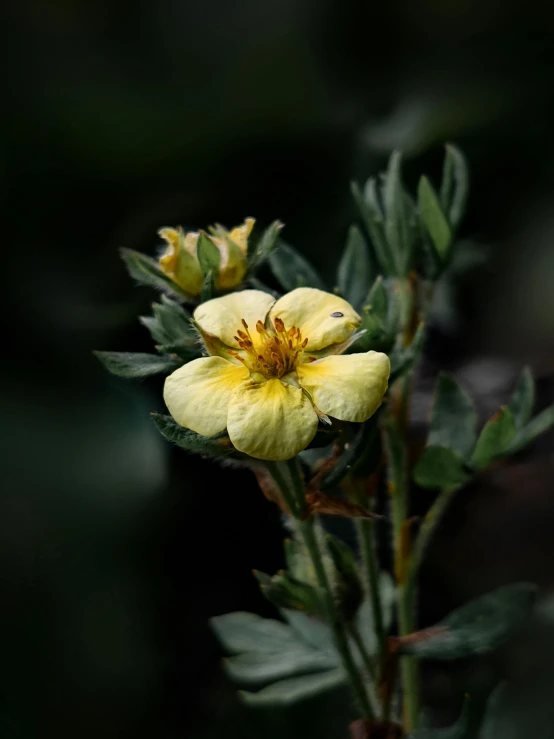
(337, 314)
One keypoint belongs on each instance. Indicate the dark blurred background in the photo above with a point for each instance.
(122, 117)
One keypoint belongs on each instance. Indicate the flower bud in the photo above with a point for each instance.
(180, 258)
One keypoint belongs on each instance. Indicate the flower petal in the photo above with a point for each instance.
(349, 387)
(322, 317)
(197, 394)
(222, 317)
(270, 420)
(240, 234)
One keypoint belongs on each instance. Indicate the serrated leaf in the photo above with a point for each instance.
(464, 728)
(145, 270)
(439, 467)
(372, 216)
(397, 227)
(455, 185)
(433, 218)
(208, 255)
(476, 628)
(495, 438)
(265, 245)
(137, 364)
(292, 269)
(537, 426)
(523, 400)
(354, 270)
(191, 441)
(453, 418)
(287, 692)
(313, 632)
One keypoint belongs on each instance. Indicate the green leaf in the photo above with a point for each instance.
(184, 351)
(208, 287)
(378, 301)
(358, 450)
(354, 271)
(494, 440)
(286, 692)
(523, 400)
(464, 728)
(137, 364)
(439, 467)
(365, 619)
(347, 591)
(170, 324)
(191, 441)
(372, 216)
(246, 632)
(433, 218)
(476, 628)
(313, 632)
(402, 360)
(145, 270)
(292, 269)
(265, 245)
(453, 418)
(397, 227)
(455, 185)
(208, 255)
(539, 425)
(285, 591)
(256, 668)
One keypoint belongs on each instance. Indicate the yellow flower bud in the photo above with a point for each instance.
(180, 259)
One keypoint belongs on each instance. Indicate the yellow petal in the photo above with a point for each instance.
(223, 316)
(197, 394)
(179, 261)
(349, 387)
(323, 318)
(240, 234)
(270, 420)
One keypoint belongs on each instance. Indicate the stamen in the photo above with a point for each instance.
(244, 324)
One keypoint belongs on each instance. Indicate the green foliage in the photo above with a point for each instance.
(453, 418)
(354, 270)
(137, 364)
(208, 255)
(172, 328)
(402, 360)
(522, 401)
(365, 446)
(537, 426)
(348, 589)
(264, 246)
(477, 627)
(379, 318)
(208, 287)
(372, 217)
(146, 271)
(434, 219)
(440, 467)
(283, 590)
(494, 439)
(218, 446)
(397, 214)
(292, 269)
(270, 653)
(455, 185)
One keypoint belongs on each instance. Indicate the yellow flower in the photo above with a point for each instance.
(275, 371)
(180, 260)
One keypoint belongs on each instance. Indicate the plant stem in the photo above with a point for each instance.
(366, 537)
(288, 478)
(432, 519)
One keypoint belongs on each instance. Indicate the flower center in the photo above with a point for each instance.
(272, 353)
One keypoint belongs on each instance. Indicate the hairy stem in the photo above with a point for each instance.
(365, 529)
(288, 478)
